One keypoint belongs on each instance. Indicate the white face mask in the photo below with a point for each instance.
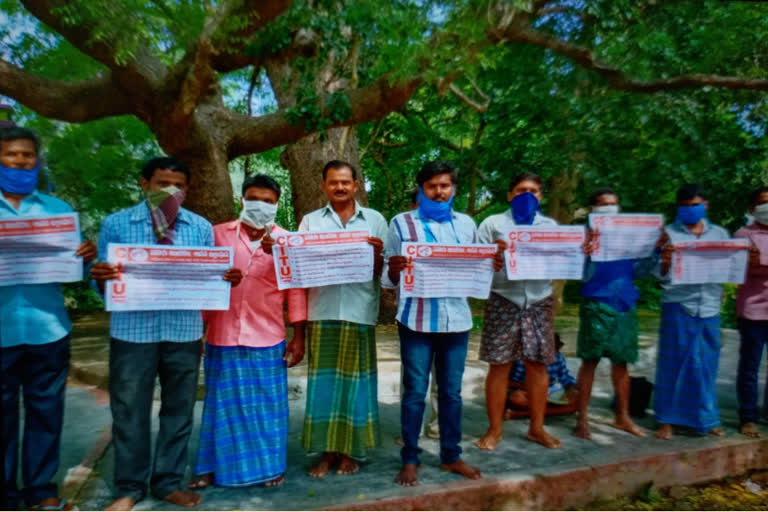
(608, 208)
(760, 213)
(258, 214)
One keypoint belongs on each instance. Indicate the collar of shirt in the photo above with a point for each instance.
(34, 196)
(140, 213)
(328, 210)
(244, 235)
(679, 226)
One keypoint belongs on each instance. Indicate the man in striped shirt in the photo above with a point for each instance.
(147, 344)
(435, 328)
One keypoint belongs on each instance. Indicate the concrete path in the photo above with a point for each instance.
(509, 470)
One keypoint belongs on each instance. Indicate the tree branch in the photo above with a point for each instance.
(67, 101)
(143, 72)
(616, 78)
(231, 56)
(256, 134)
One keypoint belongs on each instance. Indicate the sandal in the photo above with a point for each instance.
(62, 505)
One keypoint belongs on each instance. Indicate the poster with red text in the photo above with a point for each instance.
(545, 252)
(37, 250)
(624, 236)
(168, 277)
(699, 262)
(306, 259)
(438, 270)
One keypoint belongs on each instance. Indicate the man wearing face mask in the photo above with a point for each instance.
(432, 329)
(689, 335)
(244, 428)
(148, 344)
(608, 323)
(34, 340)
(518, 322)
(752, 314)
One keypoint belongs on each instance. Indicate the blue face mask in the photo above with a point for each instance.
(440, 212)
(524, 208)
(19, 181)
(691, 215)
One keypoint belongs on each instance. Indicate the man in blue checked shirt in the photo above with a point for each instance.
(147, 344)
(34, 341)
(432, 329)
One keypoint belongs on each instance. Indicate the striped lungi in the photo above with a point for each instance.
(342, 413)
(245, 415)
(686, 370)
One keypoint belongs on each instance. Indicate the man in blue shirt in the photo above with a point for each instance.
(148, 344)
(34, 339)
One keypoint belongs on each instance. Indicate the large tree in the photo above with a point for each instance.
(335, 64)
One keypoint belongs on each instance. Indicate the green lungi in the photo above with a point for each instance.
(342, 413)
(605, 332)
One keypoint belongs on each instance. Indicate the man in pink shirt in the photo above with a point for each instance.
(245, 414)
(752, 313)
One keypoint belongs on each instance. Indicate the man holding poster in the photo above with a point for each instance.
(431, 328)
(689, 335)
(342, 414)
(518, 322)
(34, 338)
(147, 344)
(608, 322)
(244, 431)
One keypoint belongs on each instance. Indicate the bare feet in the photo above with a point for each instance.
(124, 503)
(275, 482)
(463, 469)
(717, 431)
(665, 432)
(408, 475)
(489, 440)
(53, 503)
(627, 425)
(184, 499)
(347, 466)
(750, 430)
(544, 438)
(324, 465)
(582, 430)
(201, 481)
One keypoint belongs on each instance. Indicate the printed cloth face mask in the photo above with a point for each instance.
(164, 207)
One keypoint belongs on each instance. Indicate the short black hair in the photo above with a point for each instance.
(524, 176)
(164, 162)
(13, 132)
(690, 191)
(431, 169)
(756, 195)
(339, 164)
(605, 191)
(261, 181)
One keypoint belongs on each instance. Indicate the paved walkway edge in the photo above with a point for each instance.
(580, 486)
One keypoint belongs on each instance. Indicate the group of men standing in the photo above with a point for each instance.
(245, 415)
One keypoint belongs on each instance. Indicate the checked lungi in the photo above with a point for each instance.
(245, 415)
(342, 413)
(686, 371)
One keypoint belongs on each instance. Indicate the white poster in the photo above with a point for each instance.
(699, 262)
(545, 252)
(624, 236)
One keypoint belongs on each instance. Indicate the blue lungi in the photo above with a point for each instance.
(245, 415)
(686, 370)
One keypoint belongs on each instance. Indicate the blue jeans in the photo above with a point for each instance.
(449, 352)
(40, 373)
(754, 334)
